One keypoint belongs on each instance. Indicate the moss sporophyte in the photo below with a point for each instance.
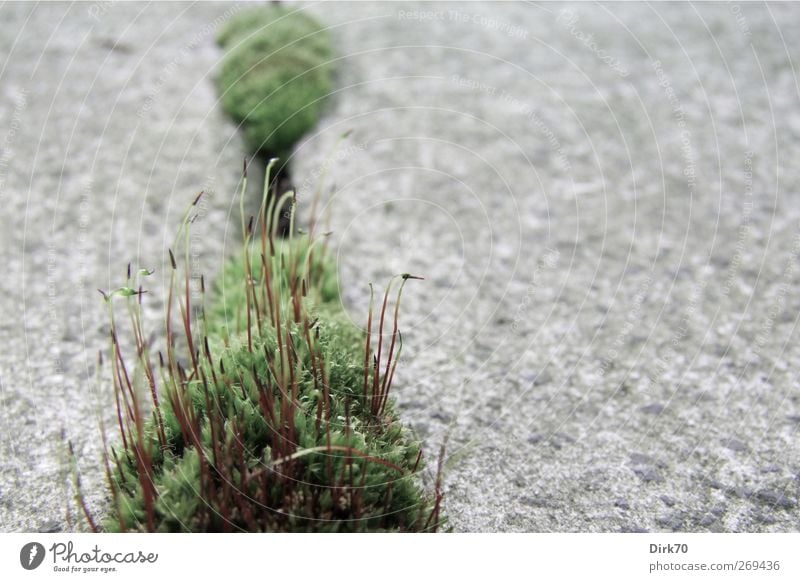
(267, 409)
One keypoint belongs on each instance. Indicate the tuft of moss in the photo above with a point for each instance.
(272, 411)
(275, 75)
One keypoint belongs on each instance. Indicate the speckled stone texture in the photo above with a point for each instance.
(603, 200)
(109, 127)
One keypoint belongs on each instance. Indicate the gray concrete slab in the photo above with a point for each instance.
(109, 126)
(604, 203)
(602, 199)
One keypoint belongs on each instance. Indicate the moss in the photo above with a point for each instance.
(274, 416)
(269, 410)
(275, 75)
(283, 23)
(226, 313)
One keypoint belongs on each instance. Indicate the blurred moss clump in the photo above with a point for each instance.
(275, 75)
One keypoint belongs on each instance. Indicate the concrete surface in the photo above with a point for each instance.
(603, 200)
(109, 126)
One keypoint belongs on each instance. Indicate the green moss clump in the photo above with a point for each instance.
(274, 415)
(275, 75)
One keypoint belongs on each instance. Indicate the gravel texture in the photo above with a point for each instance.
(603, 200)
